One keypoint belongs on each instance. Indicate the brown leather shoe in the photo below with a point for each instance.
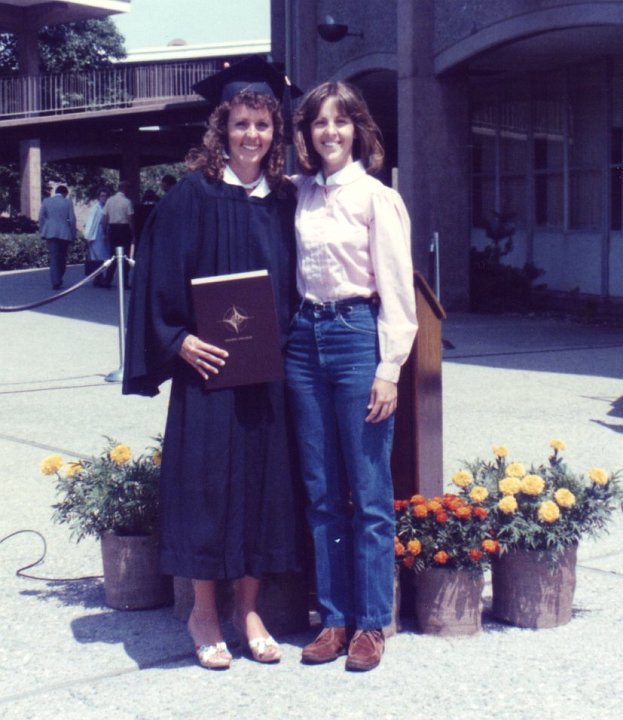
(329, 645)
(365, 650)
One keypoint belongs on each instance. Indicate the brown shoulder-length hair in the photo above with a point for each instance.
(211, 156)
(367, 145)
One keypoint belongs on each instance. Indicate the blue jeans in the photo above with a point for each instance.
(332, 355)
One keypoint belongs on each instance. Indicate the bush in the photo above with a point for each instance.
(17, 224)
(26, 251)
(496, 287)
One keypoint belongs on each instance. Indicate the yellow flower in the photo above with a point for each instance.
(548, 511)
(598, 475)
(516, 470)
(509, 486)
(120, 454)
(478, 493)
(564, 497)
(414, 547)
(500, 451)
(508, 504)
(462, 478)
(156, 457)
(532, 485)
(73, 468)
(557, 444)
(51, 464)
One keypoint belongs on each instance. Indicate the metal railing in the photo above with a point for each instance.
(115, 87)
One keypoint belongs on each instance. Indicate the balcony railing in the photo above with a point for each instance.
(115, 87)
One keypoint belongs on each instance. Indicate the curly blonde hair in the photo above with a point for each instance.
(210, 157)
(367, 145)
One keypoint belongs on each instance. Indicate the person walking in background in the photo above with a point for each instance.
(57, 225)
(354, 329)
(94, 233)
(119, 225)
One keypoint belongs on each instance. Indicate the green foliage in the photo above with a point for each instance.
(8, 54)
(496, 287)
(449, 531)
(9, 187)
(546, 507)
(72, 47)
(84, 180)
(113, 491)
(153, 174)
(23, 251)
(82, 45)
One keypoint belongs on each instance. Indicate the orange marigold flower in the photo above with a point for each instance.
(434, 505)
(400, 504)
(408, 561)
(463, 513)
(414, 547)
(417, 500)
(441, 557)
(490, 546)
(453, 503)
(480, 513)
(441, 516)
(399, 548)
(474, 555)
(420, 511)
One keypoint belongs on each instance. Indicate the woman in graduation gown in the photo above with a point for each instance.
(228, 500)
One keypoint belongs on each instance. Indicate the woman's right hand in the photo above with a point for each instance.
(206, 359)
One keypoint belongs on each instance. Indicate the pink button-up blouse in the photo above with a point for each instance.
(353, 239)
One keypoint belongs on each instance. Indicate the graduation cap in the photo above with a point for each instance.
(253, 74)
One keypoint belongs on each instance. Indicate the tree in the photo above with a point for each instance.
(84, 45)
(72, 47)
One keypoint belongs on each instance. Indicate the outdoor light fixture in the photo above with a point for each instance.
(331, 31)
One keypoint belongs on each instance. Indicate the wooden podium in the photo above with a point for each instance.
(417, 457)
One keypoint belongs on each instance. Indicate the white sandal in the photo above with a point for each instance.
(214, 657)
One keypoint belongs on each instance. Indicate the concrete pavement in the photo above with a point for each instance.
(517, 381)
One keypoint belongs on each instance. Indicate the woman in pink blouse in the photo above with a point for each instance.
(353, 331)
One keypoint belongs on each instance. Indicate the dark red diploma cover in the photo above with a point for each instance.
(237, 313)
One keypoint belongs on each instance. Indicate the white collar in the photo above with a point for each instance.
(346, 175)
(260, 189)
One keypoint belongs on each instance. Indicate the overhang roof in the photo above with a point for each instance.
(16, 14)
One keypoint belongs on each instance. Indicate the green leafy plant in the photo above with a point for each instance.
(26, 251)
(450, 531)
(113, 491)
(544, 507)
(494, 285)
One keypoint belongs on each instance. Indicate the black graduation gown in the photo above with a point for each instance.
(230, 505)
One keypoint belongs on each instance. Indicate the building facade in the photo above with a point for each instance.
(496, 113)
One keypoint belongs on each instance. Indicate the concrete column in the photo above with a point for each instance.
(27, 43)
(433, 151)
(30, 177)
(27, 46)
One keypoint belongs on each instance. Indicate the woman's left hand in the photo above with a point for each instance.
(383, 400)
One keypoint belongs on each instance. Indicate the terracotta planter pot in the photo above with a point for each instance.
(132, 580)
(534, 588)
(448, 602)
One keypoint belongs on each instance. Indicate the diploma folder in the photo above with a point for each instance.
(237, 312)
